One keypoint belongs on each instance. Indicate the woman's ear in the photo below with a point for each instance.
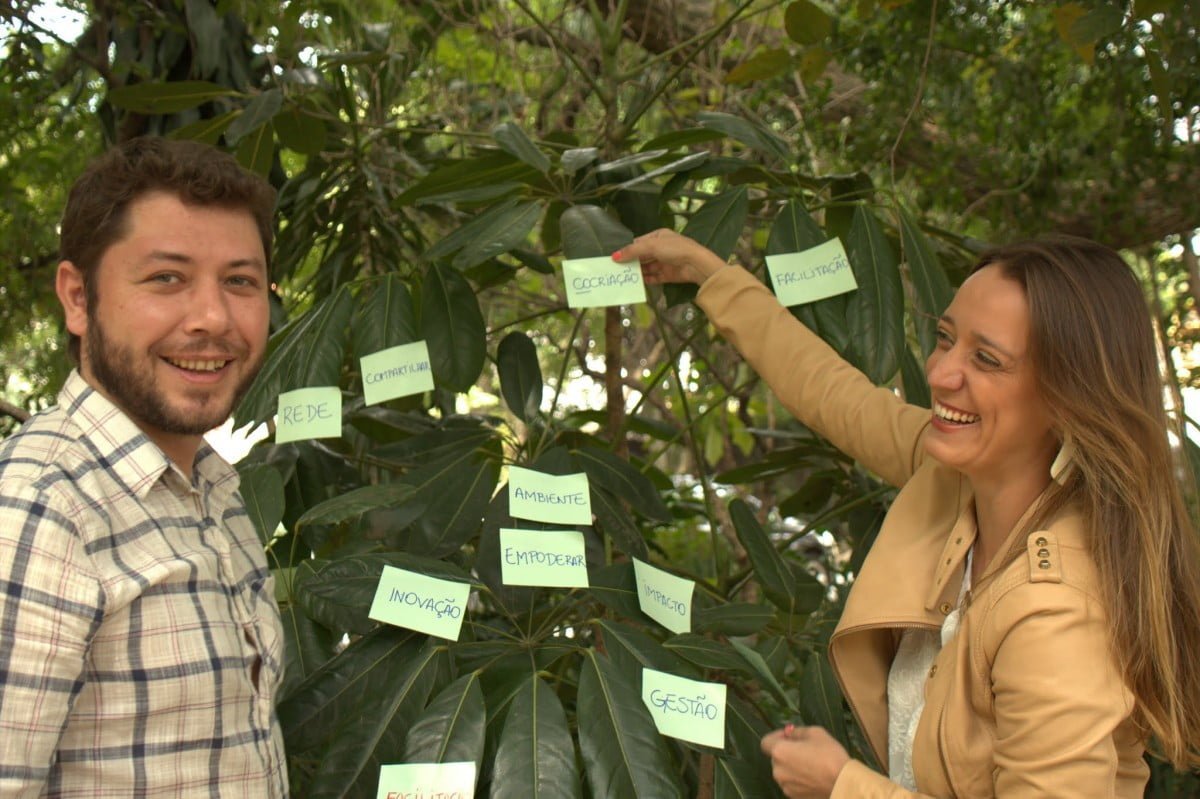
(72, 293)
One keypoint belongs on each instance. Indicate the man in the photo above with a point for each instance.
(140, 644)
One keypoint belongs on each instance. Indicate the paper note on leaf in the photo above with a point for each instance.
(427, 780)
(396, 372)
(816, 273)
(309, 413)
(419, 602)
(557, 499)
(552, 558)
(664, 597)
(685, 709)
(598, 282)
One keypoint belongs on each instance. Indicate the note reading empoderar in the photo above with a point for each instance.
(396, 372)
(816, 273)
(557, 499)
(599, 282)
(551, 558)
(427, 780)
(664, 597)
(309, 413)
(419, 602)
(685, 709)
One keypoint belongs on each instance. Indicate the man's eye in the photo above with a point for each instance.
(164, 278)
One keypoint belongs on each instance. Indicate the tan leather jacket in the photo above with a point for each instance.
(1026, 699)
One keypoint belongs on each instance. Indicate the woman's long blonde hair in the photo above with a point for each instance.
(1093, 348)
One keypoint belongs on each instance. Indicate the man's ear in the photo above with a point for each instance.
(68, 283)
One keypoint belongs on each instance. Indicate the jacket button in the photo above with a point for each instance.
(1041, 541)
(1043, 564)
(945, 608)
(1043, 553)
(932, 670)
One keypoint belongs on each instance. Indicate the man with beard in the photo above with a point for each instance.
(140, 643)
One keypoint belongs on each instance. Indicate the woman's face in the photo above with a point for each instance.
(988, 420)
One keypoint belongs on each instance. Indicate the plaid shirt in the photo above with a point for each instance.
(140, 643)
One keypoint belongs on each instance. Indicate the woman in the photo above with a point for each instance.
(1030, 612)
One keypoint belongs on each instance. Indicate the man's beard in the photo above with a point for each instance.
(132, 387)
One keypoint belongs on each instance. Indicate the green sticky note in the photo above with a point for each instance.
(816, 273)
(664, 597)
(552, 558)
(598, 282)
(418, 602)
(309, 413)
(427, 781)
(685, 709)
(558, 499)
(396, 372)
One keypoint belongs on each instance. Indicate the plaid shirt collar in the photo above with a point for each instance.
(127, 452)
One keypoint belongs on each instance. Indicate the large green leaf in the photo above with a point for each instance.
(876, 310)
(719, 224)
(514, 141)
(794, 230)
(631, 650)
(261, 488)
(821, 698)
(299, 130)
(588, 231)
(451, 729)
(536, 757)
(256, 152)
(339, 593)
(468, 174)
(455, 492)
(453, 327)
(673, 168)
(737, 779)
(307, 646)
(916, 386)
(206, 130)
(385, 318)
(706, 653)
(733, 618)
(747, 132)
(623, 754)
(932, 292)
(621, 479)
(520, 375)
(760, 667)
(258, 112)
(166, 98)
(768, 62)
(359, 501)
(806, 22)
(616, 587)
(792, 590)
(308, 352)
(331, 694)
(382, 719)
(496, 235)
(617, 523)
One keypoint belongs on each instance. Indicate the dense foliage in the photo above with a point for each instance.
(436, 160)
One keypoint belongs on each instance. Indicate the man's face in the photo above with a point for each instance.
(180, 316)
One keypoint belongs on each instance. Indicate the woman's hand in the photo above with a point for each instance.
(805, 761)
(668, 257)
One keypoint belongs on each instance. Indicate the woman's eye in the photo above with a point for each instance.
(988, 360)
(943, 336)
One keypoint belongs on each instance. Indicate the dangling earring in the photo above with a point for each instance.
(1064, 460)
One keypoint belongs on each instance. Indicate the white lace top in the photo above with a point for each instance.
(906, 686)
